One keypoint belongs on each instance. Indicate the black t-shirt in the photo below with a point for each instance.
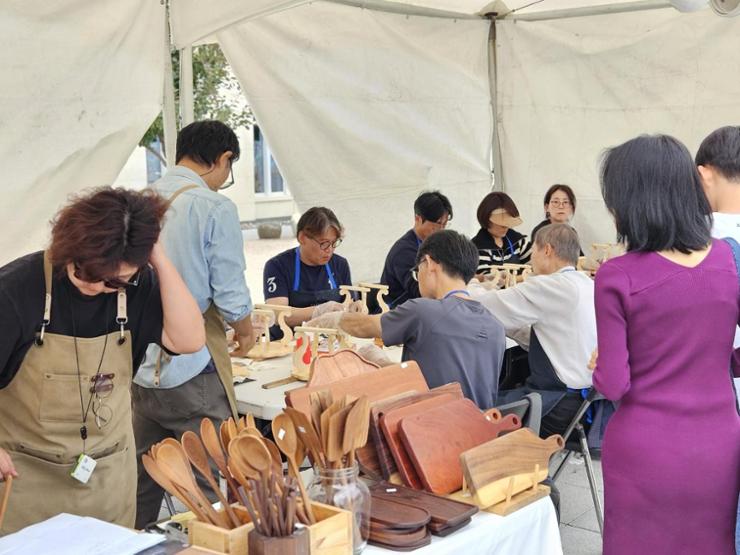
(22, 292)
(400, 261)
(279, 275)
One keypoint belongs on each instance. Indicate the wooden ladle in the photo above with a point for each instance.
(163, 480)
(286, 437)
(195, 451)
(170, 461)
(213, 446)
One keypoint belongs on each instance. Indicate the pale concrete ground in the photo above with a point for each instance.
(579, 529)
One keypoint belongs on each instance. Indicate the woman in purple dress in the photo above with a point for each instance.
(666, 314)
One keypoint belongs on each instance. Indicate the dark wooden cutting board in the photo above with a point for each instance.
(389, 422)
(435, 439)
(397, 516)
(446, 514)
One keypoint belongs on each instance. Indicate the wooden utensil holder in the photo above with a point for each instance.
(220, 540)
(332, 533)
(296, 544)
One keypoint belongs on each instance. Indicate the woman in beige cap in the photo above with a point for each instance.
(497, 242)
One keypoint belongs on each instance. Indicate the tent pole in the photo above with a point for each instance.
(187, 105)
(496, 158)
(169, 117)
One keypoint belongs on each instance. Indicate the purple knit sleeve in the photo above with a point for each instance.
(611, 297)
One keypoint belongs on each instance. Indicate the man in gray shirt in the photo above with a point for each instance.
(452, 337)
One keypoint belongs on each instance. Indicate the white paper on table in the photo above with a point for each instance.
(67, 534)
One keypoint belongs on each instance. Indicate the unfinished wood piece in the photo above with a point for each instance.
(507, 465)
(347, 291)
(376, 384)
(264, 348)
(601, 252)
(307, 348)
(435, 439)
(345, 363)
(281, 312)
(381, 291)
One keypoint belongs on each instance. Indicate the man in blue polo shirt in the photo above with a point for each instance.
(432, 212)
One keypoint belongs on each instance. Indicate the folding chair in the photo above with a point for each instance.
(582, 446)
(528, 410)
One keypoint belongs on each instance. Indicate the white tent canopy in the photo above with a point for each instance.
(366, 102)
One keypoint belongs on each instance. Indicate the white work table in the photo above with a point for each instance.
(268, 403)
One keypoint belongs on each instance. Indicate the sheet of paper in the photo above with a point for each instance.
(67, 534)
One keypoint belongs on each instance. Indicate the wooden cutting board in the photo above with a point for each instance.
(386, 513)
(344, 363)
(376, 384)
(385, 458)
(435, 440)
(445, 513)
(376, 452)
(389, 422)
(508, 462)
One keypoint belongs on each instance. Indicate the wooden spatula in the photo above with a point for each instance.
(6, 496)
(356, 428)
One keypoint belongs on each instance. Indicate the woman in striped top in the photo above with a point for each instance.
(497, 242)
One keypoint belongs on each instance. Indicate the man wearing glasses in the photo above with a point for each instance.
(432, 212)
(452, 337)
(203, 237)
(307, 277)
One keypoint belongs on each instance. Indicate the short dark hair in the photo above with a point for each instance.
(563, 239)
(204, 141)
(317, 219)
(105, 227)
(432, 205)
(493, 201)
(566, 189)
(652, 188)
(721, 151)
(457, 254)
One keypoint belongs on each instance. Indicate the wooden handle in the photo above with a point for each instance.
(278, 383)
(6, 495)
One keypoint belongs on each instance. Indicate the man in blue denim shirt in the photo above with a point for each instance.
(203, 237)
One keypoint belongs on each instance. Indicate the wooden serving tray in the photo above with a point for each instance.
(386, 513)
(446, 514)
(436, 439)
(344, 363)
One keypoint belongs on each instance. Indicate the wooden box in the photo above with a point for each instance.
(219, 540)
(332, 533)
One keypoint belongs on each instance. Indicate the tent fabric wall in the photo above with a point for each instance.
(83, 83)
(567, 89)
(363, 110)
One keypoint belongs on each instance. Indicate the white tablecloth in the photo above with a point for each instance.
(532, 530)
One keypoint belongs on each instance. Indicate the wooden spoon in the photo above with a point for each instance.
(223, 434)
(356, 428)
(163, 480)
(195, 451)
(231, 426)
(213, 446)
(286, 437)
(170, 461)
(308, 434)
(6, 496)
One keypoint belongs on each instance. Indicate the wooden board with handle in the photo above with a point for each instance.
(376, 384)
(389, 423)
(506, 465)
(387, 513)
(344, 363)
(434, 441)
(445, 513)
(380, 444)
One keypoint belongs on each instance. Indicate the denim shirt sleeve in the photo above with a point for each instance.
(224, 250)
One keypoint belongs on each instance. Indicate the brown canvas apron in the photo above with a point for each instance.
(216, 342)
(40, 421)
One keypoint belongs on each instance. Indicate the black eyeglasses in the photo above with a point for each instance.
(230, 182)
(101, 388)
(326, 245)
(415, 270)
